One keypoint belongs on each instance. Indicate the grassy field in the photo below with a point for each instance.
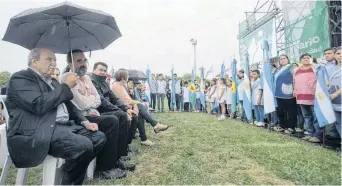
(198, 149)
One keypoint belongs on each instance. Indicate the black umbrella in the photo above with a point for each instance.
(62, 27)
(136, 75)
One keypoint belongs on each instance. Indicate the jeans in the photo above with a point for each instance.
(153, 100)
(300, 122)
(181, 103)
(311, 121)
(198, 104)
(338, 122)
(178, 101)
(147, 116)
(259, 113)
(160, 100)
(275, 118)
(243, 115)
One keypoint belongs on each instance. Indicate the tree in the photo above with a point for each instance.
(187, 77)
(4, 78)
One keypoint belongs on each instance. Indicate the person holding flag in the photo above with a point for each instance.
(287, 106)
(193, 89)
(304, 90)
(247, 94)
(335, 89)
(234, 93)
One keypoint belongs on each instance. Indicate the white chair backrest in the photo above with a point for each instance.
(2, 99)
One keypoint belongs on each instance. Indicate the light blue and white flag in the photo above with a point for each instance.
(147, 84)
(173, 89)
(247, 94)
(323, 107)
(223, 71)
(234, 86)
(270, 104)
(202, 87)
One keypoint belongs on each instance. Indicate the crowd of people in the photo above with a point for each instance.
(74, 116)
(294, 89)
(79, 117)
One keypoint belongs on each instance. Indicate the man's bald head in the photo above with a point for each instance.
(42, 60)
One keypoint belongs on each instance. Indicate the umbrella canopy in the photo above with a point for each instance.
(62, 27)
(136, 75)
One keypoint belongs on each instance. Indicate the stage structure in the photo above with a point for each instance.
(266, 21)
(306, 28)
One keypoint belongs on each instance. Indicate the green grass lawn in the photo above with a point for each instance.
(198, 149)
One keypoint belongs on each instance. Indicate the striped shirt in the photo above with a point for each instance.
(305, 86)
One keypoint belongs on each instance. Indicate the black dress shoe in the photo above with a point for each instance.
(126, 165)
(110, 174)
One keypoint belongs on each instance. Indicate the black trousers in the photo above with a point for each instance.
(287, 112)
(108, 156)
(153, 100)
(124, 126)
(132, 129)
(78, 147)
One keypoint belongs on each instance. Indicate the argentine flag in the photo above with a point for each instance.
(270, 103)
(322, 106)
(247, 94)
(223, 71)
(147, 83)
(202, 87)
(234, 86)
(173, 94)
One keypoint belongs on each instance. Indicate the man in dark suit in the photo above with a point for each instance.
(44, 122)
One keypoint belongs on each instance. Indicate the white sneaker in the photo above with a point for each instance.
(260, 124)
(222, 117)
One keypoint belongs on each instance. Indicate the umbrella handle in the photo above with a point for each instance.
(72, 57)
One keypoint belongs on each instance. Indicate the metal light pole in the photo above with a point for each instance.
(194, 43)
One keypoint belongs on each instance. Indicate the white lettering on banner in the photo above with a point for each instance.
(309, 43)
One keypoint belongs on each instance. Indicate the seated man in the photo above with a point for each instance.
(110, 104)
(44, 122)
(87, 100)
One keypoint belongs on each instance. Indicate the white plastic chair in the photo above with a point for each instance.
(49, 165)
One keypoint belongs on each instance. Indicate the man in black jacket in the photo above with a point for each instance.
(44, 122)
(111, 104)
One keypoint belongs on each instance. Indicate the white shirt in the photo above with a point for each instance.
(255, 91)
(186, 93)
(240, 91)
(229, 94)
(161, 87)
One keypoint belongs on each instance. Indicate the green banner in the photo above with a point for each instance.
(306, 31)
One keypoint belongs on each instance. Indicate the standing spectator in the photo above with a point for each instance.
(330, 64)
(240, 92)
(335, 89)
(178, 92)
(304, 90)
(229, 98)
(198, 97)
(257, 99)
(186, 94)
(221, 97)
(330, 61)
(287, 106)
(161, 91)
(212, 96)
(207, 100)
(153, 89)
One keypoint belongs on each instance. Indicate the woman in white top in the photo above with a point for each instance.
(161, 91)
(221, 97)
